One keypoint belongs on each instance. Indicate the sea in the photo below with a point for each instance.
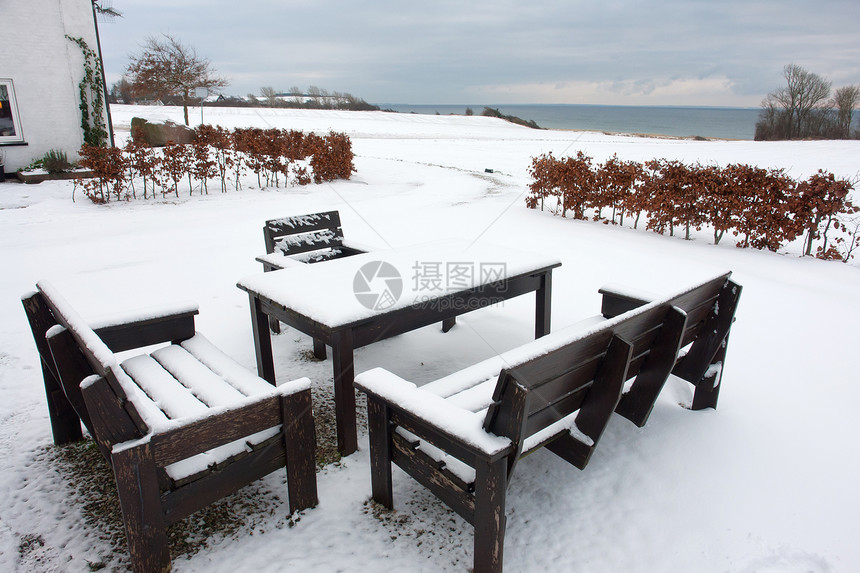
(708, 122)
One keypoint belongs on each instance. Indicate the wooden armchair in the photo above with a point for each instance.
(182, 426)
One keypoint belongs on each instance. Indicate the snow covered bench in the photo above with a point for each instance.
(461, 436)
(301, 239)
(182, 426)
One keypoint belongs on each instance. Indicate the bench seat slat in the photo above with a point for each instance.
(162, 389)
(234, 373)
(466, 378)
(205, 384)
(476, 398)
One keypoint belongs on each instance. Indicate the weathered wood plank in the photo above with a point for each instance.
(637, 403)
(379, 429)
(425, 471)
(302, 223)
(145, 526)
(172, 328)
(491, 485)
(300, 446)
(64, 415)
(195, 437)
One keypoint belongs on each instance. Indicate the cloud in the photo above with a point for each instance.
(712, 91)
(624, 51)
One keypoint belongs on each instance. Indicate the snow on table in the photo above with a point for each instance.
(356, 288)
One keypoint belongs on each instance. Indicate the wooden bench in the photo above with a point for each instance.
(305, 239)
(461, 436)
(182, 426)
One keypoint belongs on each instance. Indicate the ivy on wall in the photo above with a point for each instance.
(92, 104)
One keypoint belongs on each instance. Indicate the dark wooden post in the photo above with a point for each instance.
(137, 486)
(380, 451)
(543, 305)
(300, 442)
(262, 341)
(319, 349)
(491, 484)
(344, 393)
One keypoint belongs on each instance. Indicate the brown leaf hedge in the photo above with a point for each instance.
(217, 154)
(764, 208)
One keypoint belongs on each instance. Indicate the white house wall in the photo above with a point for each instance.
(45, 69)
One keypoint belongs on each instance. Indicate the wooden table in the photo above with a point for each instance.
(355, 301)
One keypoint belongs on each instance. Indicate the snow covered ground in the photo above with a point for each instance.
(766, 483)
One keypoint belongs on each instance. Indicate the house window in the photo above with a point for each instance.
(10, 124)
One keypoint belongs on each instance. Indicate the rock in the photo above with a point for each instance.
(158, 134)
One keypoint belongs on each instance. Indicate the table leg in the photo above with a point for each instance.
(543, 305)
(262, 341)
(319, 349)
(344, 393)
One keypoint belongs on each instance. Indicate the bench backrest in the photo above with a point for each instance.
(531, 396)
(108, 406)
(710, 309)
(642, 342)
(303, 233)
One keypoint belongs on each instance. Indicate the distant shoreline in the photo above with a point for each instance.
(686, 122)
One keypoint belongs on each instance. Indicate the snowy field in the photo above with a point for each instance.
(767, 483)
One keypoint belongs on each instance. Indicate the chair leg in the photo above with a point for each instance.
(300, 441)
(380, 452)
(145, 527)
(274, 325)
(491, 486)
(449, 323)
(65, 424)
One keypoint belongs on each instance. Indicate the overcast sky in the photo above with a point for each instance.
(625, 52)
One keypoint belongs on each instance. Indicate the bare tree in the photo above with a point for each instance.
(845, 100)
(166, 67)
(799, 109)
(296, 92)
(121, 91)
(269, 94)
(803, 92)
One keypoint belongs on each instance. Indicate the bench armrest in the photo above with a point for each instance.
(160, 324)
(461, 425)
(618, 300)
